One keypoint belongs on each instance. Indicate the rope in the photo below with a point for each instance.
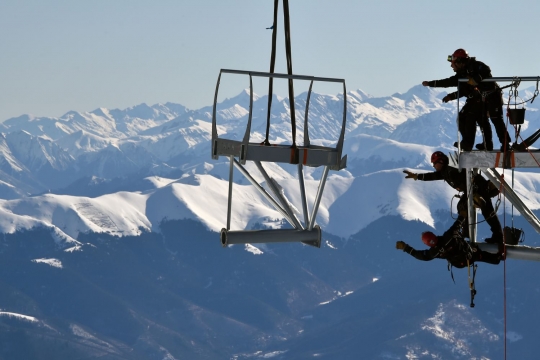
(504, 249)
(504, 276)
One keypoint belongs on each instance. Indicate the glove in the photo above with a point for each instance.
(410, 175)
(447, 98)
(400, 245)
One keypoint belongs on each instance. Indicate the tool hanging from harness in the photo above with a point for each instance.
(471, 281)
(294, 149)
(460, 254)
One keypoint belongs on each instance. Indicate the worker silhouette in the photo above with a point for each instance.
(483, 191)
(452, 247)
(483, 99)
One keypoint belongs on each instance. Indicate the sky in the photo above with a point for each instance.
(61, 55)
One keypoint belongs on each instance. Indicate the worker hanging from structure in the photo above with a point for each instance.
(482, 194)
(483, 99)
(452, 247)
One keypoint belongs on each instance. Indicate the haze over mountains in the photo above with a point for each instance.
(109, 246)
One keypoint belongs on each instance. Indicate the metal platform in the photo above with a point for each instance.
(497, 159)
(517, 252)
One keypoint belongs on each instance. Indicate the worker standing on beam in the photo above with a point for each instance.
(483, 99)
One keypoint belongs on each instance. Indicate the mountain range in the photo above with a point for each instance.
(110, 250)
(161, 154)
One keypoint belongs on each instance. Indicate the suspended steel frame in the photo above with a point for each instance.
(240, 151)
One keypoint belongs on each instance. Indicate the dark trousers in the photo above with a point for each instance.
(493, 107)
(476, 111)
(487, 209)
(486, 257)
(469, 115)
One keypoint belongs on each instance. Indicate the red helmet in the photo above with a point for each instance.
(458, 55)
(429, 238)
(439, 157)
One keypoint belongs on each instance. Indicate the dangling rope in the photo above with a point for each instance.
(504, 244)
(471, 280)
(504, 276)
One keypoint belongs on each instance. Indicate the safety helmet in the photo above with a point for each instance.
(439, 157)
(458, 56)
(429, 238)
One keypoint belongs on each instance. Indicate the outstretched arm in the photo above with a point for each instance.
(424, 255)
(430, 176)
(448, 82)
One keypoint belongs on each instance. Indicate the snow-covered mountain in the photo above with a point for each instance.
(109, 246)
(161, 156)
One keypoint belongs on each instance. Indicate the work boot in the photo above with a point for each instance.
(508, 147)
(496, 230)
(488, 146)
(463, 147)
(494, 239)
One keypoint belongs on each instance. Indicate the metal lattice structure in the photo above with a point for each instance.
(487, 162)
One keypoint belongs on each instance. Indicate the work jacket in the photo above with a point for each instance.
(475, 71)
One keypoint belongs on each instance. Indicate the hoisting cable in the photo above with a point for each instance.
(289, 69)
(272, 66)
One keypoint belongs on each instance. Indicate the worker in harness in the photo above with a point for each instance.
(482, 193)
(483, 99)
(452, 247)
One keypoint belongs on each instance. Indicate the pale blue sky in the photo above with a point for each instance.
(57, 56)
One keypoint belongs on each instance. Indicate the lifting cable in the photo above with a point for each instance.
(504, 235)
(289, 69)
(517, 129)
(272, 66)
